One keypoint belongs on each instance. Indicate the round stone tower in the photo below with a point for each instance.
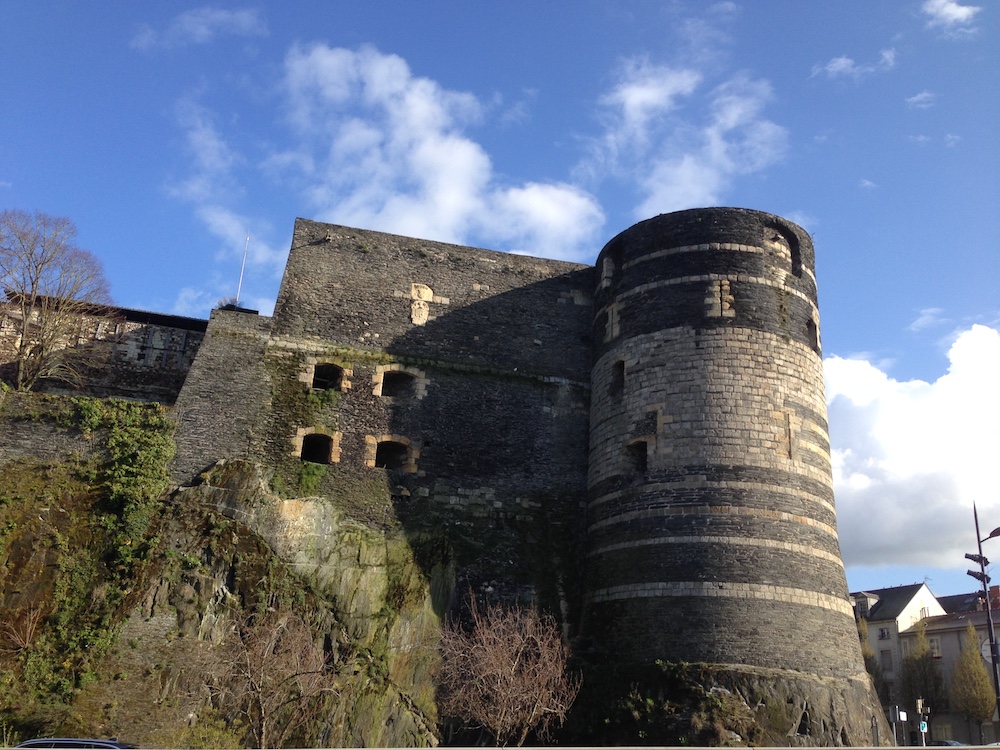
(711, 529)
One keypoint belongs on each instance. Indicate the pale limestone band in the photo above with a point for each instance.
(720, 589)
(702, 483)
(703, 510)
(734, 541)
(708, 246)
(708, 277)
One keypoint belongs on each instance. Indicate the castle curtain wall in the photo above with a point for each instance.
(670, 400)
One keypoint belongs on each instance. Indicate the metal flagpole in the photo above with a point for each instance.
(239, 287)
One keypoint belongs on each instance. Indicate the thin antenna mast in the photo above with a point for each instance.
(239, 287)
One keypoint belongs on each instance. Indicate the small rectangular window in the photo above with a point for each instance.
(935, 644)
(638, 458)
(617, 384)
(885, 657)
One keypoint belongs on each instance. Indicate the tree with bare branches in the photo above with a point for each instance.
(274, 676)
(507, 672)
(49, 285)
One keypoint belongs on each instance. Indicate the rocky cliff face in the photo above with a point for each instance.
(106, 634)
(121, 596)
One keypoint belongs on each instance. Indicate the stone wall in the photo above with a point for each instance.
(126, 353)
(431, 300)
(437, 387)
(225, 394)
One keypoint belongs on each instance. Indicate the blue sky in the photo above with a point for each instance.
(167, 131)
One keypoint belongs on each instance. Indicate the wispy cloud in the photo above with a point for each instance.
(923, 100)
(212, 187)
(212, 158)
(200, 26)
(682, 146)
(928, 317)
(912, 456)
(636, 114)
(644, 94)
(866, 184)
(950, 15)
(846, 67)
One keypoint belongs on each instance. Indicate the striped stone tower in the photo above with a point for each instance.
(711, 524)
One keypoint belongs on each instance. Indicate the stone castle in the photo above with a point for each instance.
(641, 446)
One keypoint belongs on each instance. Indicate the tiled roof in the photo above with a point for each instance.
(960, 602)
(892, 601)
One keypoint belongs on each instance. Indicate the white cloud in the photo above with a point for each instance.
(200, 26)
(866, 184)
(911, 457)
(846, 67)
(949, 14)
(388, 150)
(371, 146)
(923, 100)
(643, 95)
(553, 220)
(951, 140)
(682, 148)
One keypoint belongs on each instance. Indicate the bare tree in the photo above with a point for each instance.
(507, 673)
(50, 284)
(274, 677)
(972, 693)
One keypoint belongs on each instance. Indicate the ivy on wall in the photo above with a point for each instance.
(136, 445)
(78, 533)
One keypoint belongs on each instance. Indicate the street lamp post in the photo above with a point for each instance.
(981, 576)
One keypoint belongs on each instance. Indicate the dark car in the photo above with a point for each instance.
(80, 744)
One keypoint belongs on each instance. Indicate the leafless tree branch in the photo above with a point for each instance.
(49, 286)
(507, 673)
(274, 676)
